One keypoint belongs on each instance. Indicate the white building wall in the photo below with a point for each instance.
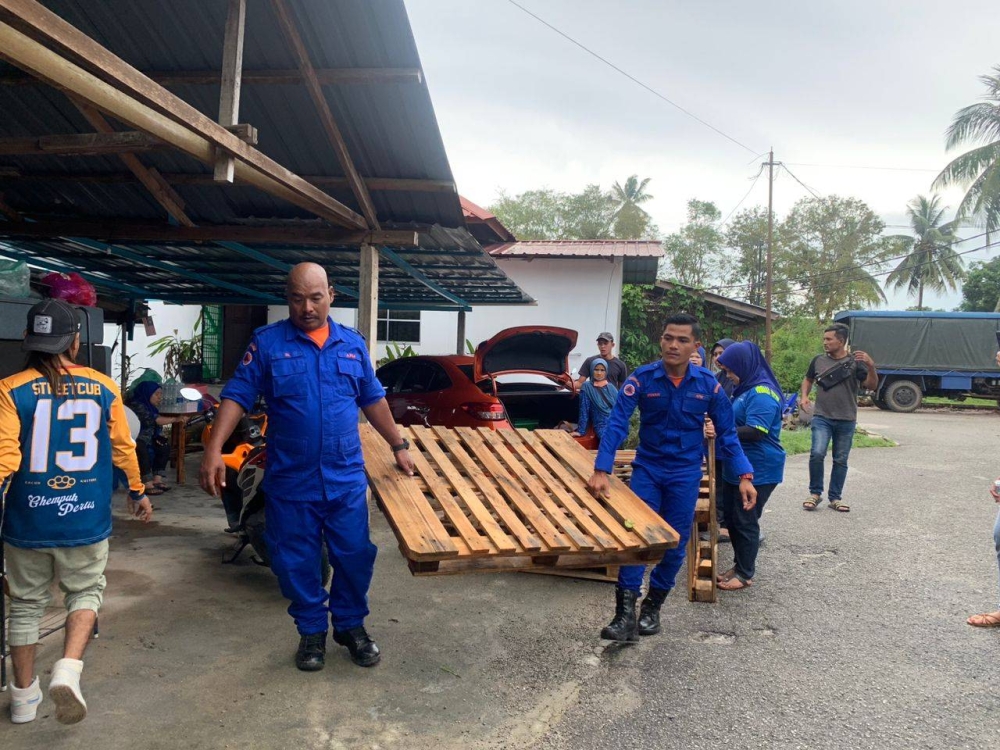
(581, 294)
(167, 319)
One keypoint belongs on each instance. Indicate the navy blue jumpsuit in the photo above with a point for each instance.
(667, 470)
(315, 480)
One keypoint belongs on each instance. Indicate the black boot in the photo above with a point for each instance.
(623, 627)
(311, 655)
(363, 650)
(649, 612)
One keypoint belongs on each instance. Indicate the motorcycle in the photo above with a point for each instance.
(245, 456)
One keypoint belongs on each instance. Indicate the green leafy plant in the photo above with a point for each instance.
(470, 348)
(179, 351)
(394, 351)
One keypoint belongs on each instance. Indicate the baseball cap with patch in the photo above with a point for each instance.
(606, 337)
(52, 324)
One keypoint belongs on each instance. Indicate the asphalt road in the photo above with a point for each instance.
(853, 635)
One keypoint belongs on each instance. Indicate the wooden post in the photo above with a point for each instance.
(460, 342)
(124, 356)
(232, 72)
(368, 299)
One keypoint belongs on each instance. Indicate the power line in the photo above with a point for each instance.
(632, 78)
(861, 166)
(814, 193)
(752, 186)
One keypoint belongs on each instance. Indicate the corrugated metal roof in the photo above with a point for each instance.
(389, 127)
(578, 249)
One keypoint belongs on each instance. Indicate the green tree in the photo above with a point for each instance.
(832, 246)
(694, 254)
(794, 343)
(977, 170)
(587, 215)
(981, 290)
(932, 261)
(532, 215)
(631, 222)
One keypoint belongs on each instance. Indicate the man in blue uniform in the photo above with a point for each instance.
(315, 376)
(673, 398)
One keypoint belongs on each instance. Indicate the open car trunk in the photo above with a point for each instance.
(538, 405)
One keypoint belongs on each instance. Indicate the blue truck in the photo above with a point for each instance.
(922, 354)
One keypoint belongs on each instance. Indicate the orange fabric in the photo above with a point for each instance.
(676, 381)
(320, 335)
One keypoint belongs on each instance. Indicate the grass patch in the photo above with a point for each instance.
(800, 441)
(969, 402)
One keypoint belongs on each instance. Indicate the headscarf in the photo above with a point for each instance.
(728, 386)
(746, 362)
(602, 399)
(143, 392)
(701, 353)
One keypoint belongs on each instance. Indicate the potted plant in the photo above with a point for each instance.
(182, 356)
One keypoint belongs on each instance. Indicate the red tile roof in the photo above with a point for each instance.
(578, 249)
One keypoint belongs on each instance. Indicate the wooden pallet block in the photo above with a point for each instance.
(507, 500)
(702, 556)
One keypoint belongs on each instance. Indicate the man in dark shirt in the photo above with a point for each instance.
(835, 414)
(617, 370)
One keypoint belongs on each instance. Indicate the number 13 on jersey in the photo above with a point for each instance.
(65, 419)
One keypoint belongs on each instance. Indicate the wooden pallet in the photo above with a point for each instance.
(506, 500)
(702, 556)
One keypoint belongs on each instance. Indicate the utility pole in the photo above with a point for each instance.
(770, 255)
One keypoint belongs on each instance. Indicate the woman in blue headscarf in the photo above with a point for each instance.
(757, 406)
(596, 399)
(727, 385)
(151, 447)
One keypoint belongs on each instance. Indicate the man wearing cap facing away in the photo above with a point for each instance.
(617, 370)
(62, 430)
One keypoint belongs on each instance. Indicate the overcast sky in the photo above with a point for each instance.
(870, 83)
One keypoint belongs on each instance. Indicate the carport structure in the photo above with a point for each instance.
(191, 151)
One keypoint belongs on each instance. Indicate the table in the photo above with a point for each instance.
(178, 439)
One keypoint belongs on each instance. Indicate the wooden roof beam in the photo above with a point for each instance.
(269, 77)
(381, 184)
(159, 188)
(298, 47)
(232, 74)
(113, 230)
(144, 105)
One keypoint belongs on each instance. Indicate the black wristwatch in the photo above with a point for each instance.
(405, 445)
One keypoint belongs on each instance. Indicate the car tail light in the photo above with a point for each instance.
(490, 412)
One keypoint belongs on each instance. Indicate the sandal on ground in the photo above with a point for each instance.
(840, 505)
(735, 583)
(163, 487)
(154, 490)
(722, 577)
(985, 620)
(812, 502)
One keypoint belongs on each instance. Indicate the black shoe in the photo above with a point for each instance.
(311, 655)
(623, 626)
(649, 612)
(363, 650)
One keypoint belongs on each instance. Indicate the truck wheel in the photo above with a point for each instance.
(254, 527)
(903, 396)
(880, 403)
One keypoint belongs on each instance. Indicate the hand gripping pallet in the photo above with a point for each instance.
(505, 500)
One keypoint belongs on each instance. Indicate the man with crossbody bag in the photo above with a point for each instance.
(838, 376)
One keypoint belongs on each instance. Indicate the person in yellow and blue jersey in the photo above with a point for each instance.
(757, 406)
(673, 397)
(62, 432)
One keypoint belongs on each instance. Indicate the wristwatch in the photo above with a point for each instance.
(405, 445)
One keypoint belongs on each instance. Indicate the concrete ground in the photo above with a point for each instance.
(853, 635)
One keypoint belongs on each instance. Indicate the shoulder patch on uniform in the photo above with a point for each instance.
(248, 357)
(717, 386)
(629, 389)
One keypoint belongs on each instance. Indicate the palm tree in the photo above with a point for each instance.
(931, 261)
(979, 169)
(630, 221)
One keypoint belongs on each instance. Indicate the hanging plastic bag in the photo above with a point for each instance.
(72, 288)
(15, 279)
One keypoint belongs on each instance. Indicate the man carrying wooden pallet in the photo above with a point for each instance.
(673, 398)
(315, 375)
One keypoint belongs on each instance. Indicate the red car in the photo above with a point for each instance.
(519, 378)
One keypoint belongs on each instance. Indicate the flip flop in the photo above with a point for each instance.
(812, 503)
(154, 491)
(986, 620)
(840, 505)
(735, 584)
(722, 577)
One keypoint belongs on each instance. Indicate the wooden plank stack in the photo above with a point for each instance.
(506, 500)
(703, 544)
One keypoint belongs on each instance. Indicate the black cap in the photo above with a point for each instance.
(606, 337)
(52, 325)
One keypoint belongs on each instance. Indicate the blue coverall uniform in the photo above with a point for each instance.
(315, 480)
(666, 472)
